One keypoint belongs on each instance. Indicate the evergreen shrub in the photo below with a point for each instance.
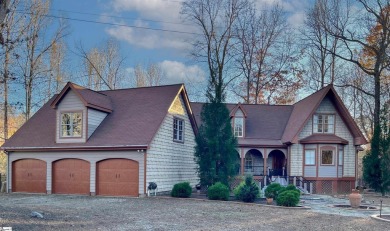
(182, 190)
(218, 191)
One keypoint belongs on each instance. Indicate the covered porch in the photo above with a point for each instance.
(262, 162)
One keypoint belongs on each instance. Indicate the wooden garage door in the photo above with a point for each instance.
(117, 177)
(71, 176)
(29, 175)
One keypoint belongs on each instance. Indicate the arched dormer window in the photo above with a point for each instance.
(238, 126)
(238, 121)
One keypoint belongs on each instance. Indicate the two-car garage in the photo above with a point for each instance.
(114, 177)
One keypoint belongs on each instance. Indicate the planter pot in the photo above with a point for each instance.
(269, 201)
(355, 198)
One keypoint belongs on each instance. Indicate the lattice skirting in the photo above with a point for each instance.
(331, 187)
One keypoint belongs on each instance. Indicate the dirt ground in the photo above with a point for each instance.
(104, 213)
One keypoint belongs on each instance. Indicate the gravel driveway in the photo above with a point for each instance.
(103, 213)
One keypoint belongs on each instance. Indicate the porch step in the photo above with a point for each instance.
(304, 191)
(280, 180)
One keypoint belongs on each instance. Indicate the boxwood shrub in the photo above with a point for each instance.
(247, 191)
(218, 191)
(288, 198)
(183, 190)
(272, 190)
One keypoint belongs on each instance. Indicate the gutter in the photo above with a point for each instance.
(77, 148)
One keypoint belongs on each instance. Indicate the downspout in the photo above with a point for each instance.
(7, 179)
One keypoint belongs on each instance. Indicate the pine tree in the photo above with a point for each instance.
(376, 163)
(215, 150)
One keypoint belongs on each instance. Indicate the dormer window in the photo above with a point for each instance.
(71, 124)
(323, 123)
(178, 126)
(238, 126)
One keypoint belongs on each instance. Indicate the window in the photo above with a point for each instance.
(341, 156)
(238, 126)
(178, 126)
(248, 163)
(71, 124)
(310, 157)
(323, 123)
(327, 157)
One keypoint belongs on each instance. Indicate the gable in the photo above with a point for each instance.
(239, 113)
(70, 103)
(304, 110)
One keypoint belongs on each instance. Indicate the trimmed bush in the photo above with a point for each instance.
(288, 198)
(289, 187)
(218, 191)
(272, 190)
(183, 190)
(247, 191)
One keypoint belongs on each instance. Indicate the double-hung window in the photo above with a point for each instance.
(341, 156)
(248, 163)
(238, 126)
(323, 123)
(178, 126)
(310, 157)
(71, 124)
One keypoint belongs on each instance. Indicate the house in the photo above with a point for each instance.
(313, 143)
(105, 143)
(115, 142)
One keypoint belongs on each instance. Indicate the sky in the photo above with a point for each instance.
(128, 21)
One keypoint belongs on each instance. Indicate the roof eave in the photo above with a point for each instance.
(75, 148)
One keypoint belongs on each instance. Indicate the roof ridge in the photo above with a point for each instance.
(327, 86)
(133, 88)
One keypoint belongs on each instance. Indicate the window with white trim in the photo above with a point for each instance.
(327, 157)
(341, 156)
(323, 123)
(310, 157)
(71, 124)
(248, 163)
(178, 127)
(238, 126)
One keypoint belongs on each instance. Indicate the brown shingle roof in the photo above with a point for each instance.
(281, 124)
(262, 122)
(324, 139)
(90, 98)
(135, 118)
(301, 113)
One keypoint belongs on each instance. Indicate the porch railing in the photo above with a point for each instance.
(254, 170)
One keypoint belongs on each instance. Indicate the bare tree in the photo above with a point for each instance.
(36, 48)
(266, 57)
(317, 42)
(352, 28)
(12, 31)
(151, 75)
(215, 21)
(56, 76)
(104, 66)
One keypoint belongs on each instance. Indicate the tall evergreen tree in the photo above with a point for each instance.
(376, 163)
(215, 145)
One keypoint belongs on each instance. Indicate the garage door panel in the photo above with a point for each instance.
(29, 175)
(71, 176)
(117, 177)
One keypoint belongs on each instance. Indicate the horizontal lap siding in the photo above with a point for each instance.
(91, 156)
(341, 130)
(94, 119)
(71, 103)
(310, 171)
(170, 162)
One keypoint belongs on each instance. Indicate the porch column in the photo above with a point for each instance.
(265, 162)
(242, 157)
